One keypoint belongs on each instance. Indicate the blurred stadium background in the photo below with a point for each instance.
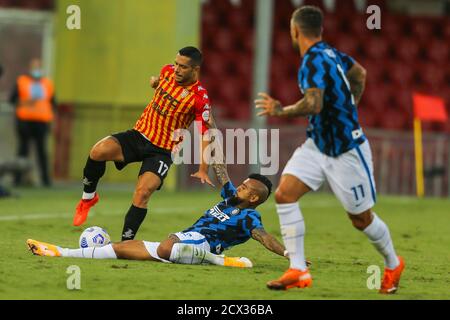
(102, 74)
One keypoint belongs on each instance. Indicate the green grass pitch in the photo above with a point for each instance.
(339, 253)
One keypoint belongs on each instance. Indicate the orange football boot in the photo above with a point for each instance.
(239, 262)
(391, 278)
(82, 210)
(39, 248)
(290, 279)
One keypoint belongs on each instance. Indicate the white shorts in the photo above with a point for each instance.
(193, 238)
(349, 175)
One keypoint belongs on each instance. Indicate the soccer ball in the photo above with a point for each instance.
(94, 237)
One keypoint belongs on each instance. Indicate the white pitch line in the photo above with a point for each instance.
(164, 210)
(42, 216)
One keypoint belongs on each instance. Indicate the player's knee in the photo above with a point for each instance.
(141, 196)
(98, 152)
(164, 250)
(282, 196)
(118, 248)
(361, 221)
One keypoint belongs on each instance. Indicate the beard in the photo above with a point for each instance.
(234, 201)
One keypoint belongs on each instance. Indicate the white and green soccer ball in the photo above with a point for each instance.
(94, 237)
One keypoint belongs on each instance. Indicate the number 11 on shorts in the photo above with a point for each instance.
(162, 168)
(355, 190)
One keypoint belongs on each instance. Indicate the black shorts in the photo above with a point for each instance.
(136, 148)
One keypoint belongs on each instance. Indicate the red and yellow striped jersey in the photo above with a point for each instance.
(173, 107)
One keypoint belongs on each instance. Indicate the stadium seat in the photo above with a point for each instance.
(438, 50)
(407, 49)
(217, 64)
(367, 118)
(422, 29)
(282, 43)
(224, 40)
(245, 41)
(403, 99)
(347, 44)
(393, 118)
(375, 74)
(445, 28)
(431, 75)
(376, 97)
(392, 27)
(376, 48)
(400, 74)
(239, 19)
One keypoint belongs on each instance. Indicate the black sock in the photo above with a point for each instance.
(92, 172)
(133, 221)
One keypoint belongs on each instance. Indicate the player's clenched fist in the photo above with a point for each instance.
(154, 81)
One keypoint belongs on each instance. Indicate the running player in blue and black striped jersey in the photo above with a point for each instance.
(335, 129)
(336, 150)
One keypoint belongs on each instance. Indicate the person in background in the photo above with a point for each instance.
(3, 192)
(34, 99)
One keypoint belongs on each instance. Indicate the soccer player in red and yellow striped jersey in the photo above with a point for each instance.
(179, 99)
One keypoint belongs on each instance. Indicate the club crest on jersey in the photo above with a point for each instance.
(235, 211)
(217, 213)
(184, 94)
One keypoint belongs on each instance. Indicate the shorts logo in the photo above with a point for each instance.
(205, 116)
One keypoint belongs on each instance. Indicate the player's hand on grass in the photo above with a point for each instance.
(154, 81)
(203, 176)
(268, 105)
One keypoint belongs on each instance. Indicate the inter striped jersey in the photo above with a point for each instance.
(173, 107)
(335, 129)
(225, 225)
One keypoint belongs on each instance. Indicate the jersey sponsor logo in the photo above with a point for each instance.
(219, 214)
(159, 110)
(166, 96)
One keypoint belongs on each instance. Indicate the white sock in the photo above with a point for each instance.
(105, 252)
(293, 232)
(88, 195)
(379, 235)
(189, 254)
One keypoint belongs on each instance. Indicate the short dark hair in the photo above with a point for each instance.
(309, 19)
(193, 53)
(264, 180)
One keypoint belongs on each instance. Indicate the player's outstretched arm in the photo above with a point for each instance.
(219, 167)
(357, 78)
(268, 241)
(310, 104)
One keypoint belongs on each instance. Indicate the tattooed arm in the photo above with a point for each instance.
(311, 104)
(357, 78)
(219, 167)
(268, 241)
